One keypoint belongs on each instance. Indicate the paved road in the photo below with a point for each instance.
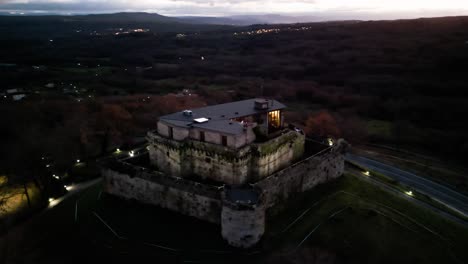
(443, 194)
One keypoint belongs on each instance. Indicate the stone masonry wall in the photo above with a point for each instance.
(276, 154)
(177, 195)
(222, 164)
(302, 176)
(242, 227)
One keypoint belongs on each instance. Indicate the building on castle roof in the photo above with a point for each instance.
(222, 142)
(229, 124)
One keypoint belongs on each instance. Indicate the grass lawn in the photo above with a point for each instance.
(369, 226)
(380, 129)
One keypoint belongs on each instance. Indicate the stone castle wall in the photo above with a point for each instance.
(241, 225)
(276, 154)
(223, 164)
(185, 197)
(302, 176)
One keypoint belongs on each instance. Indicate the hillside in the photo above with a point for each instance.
(55, 25)
(397, 83)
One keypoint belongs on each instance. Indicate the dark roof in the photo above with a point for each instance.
(220, 115)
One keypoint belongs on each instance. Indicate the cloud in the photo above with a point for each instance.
(228, 7)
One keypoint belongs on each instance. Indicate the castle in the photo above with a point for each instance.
(226, 164)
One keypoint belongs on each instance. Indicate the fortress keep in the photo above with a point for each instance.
(226, 164)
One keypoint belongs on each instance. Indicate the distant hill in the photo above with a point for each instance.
(59, 25)
(153, 18)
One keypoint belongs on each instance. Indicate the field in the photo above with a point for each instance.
(346, 221)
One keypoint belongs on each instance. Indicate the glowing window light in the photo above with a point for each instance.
(274, 118)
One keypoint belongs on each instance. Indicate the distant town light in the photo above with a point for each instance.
(410, 193)
(51, 200)
(330, 142)
(367, 173)
(131, 153)
(47, 166)
(68, 188)
(118, 150)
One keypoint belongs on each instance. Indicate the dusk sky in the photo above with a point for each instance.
(360, 9)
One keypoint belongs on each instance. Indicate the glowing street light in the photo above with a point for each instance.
(118, 150)
(77, 161)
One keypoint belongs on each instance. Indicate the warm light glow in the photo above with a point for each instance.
(77, 161)
(131, 153)
(410, 193)
(274, 119)
(53, 202)
(330, 142)
(68, 188)
(118, 150)
(367, 173)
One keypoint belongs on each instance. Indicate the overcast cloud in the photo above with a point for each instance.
(358, 9)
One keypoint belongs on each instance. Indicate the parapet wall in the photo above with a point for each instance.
(186, 197)
(302, 176)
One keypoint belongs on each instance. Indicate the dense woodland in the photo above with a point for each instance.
(396, 83)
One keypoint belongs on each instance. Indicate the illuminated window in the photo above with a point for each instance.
(274, 119)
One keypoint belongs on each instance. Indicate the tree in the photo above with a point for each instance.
(322, 124)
